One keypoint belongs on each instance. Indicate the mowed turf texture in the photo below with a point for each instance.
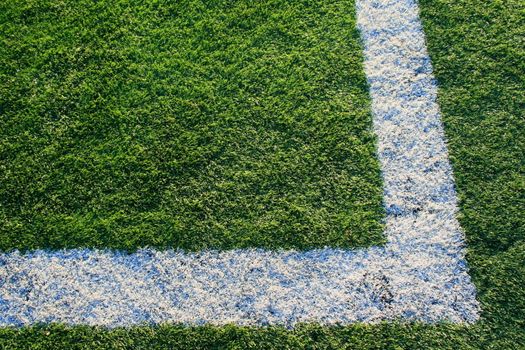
(478, 53)
(185, 124)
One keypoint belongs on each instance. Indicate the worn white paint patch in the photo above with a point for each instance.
(419, 275)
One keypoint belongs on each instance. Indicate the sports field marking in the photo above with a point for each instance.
(419, 275)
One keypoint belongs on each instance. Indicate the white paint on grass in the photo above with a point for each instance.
(419, 275)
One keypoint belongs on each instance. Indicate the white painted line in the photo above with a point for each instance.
(419, 275)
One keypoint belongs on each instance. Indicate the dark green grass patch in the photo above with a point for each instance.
(478, 53)
(190, 124)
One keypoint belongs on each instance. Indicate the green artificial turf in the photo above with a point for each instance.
(478, 52)
(188, 124)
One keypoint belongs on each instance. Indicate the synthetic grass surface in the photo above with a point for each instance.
(187, 124)
(478, 53)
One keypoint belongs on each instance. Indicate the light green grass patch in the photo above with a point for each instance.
(185, 124)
